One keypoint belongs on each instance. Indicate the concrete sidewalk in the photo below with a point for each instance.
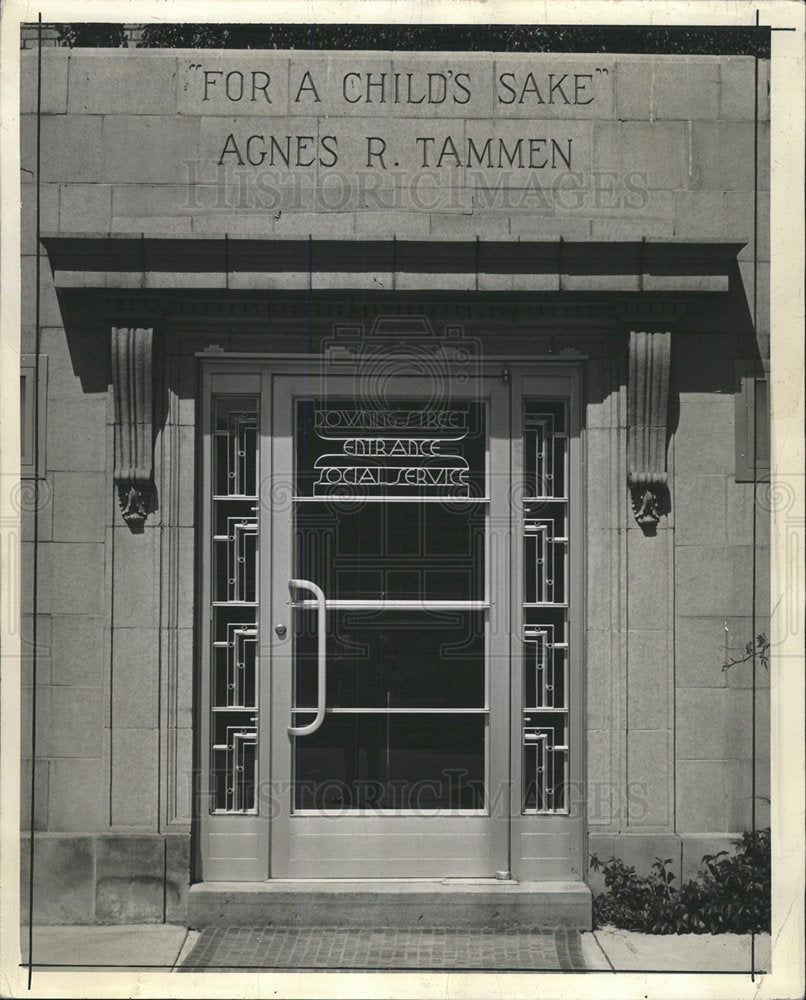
(165, 947)
(615, 950)
(135, 947)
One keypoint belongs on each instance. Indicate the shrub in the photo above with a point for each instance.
(731, 893)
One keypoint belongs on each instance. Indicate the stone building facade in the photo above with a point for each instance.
(538, 287)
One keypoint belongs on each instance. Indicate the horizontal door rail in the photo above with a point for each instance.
(362, 499)
(398, 711)
(382, 605)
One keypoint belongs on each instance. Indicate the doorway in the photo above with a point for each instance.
(391, 688)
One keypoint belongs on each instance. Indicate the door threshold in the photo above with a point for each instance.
(370, 902)
(403, 880)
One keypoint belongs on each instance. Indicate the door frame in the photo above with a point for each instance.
(297, 836)
(234, 864)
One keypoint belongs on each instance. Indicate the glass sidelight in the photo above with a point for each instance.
(234, 604)
(390, 522)
(545, 541)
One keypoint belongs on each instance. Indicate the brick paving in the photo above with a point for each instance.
(230, 949)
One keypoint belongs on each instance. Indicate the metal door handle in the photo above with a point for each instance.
(321, 665)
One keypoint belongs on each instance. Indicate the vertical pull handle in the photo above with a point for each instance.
(320, 651)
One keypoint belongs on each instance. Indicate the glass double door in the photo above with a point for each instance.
(389, 650)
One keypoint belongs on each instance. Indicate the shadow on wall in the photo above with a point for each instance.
(709, 335)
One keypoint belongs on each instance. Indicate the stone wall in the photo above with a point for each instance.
(665, 148)
(130, 145)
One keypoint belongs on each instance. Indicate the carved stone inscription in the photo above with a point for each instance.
(292, 112)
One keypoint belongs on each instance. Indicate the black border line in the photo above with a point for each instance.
(34, 606)
(757, 38)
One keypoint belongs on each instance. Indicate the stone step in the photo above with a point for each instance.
(454, 903)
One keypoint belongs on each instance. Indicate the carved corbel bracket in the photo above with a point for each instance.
(647, 413)
(131, 384)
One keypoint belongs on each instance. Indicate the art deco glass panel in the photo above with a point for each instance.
(545, 608)
(234, 604)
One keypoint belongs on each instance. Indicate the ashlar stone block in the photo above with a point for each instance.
(181, 784)
(699, 213)
(600, 598)
(716, 724)
(641, 850)
(602, 799)
(77, 722)
(738, 96)
(700, 652)
(648, 673)
(76, 432)
(64, 873)
(158, 225)
(649, 778)
(630, 229)
(137, 579)
(142, 201)
(77, 582)
(600, 695)
(70, 147)
(704, 441)
(633, 84)
(135, 661)
(234, 225)
(701, 796)
(130, 879)
(106, 83)
(54, 81)
(134, 786)
(700, 510)
(722, 156)
(382, 225)
(78, 796)
(648, 580)
(78, 650)
(686, 89)
(79, 501)
(146, 149)
(704, 581)
(302, 224)
(530, 227)
(183, 650)
(85, 208)
(657, 150)
(484, 226)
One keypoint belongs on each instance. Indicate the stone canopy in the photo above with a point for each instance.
(149, 262)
